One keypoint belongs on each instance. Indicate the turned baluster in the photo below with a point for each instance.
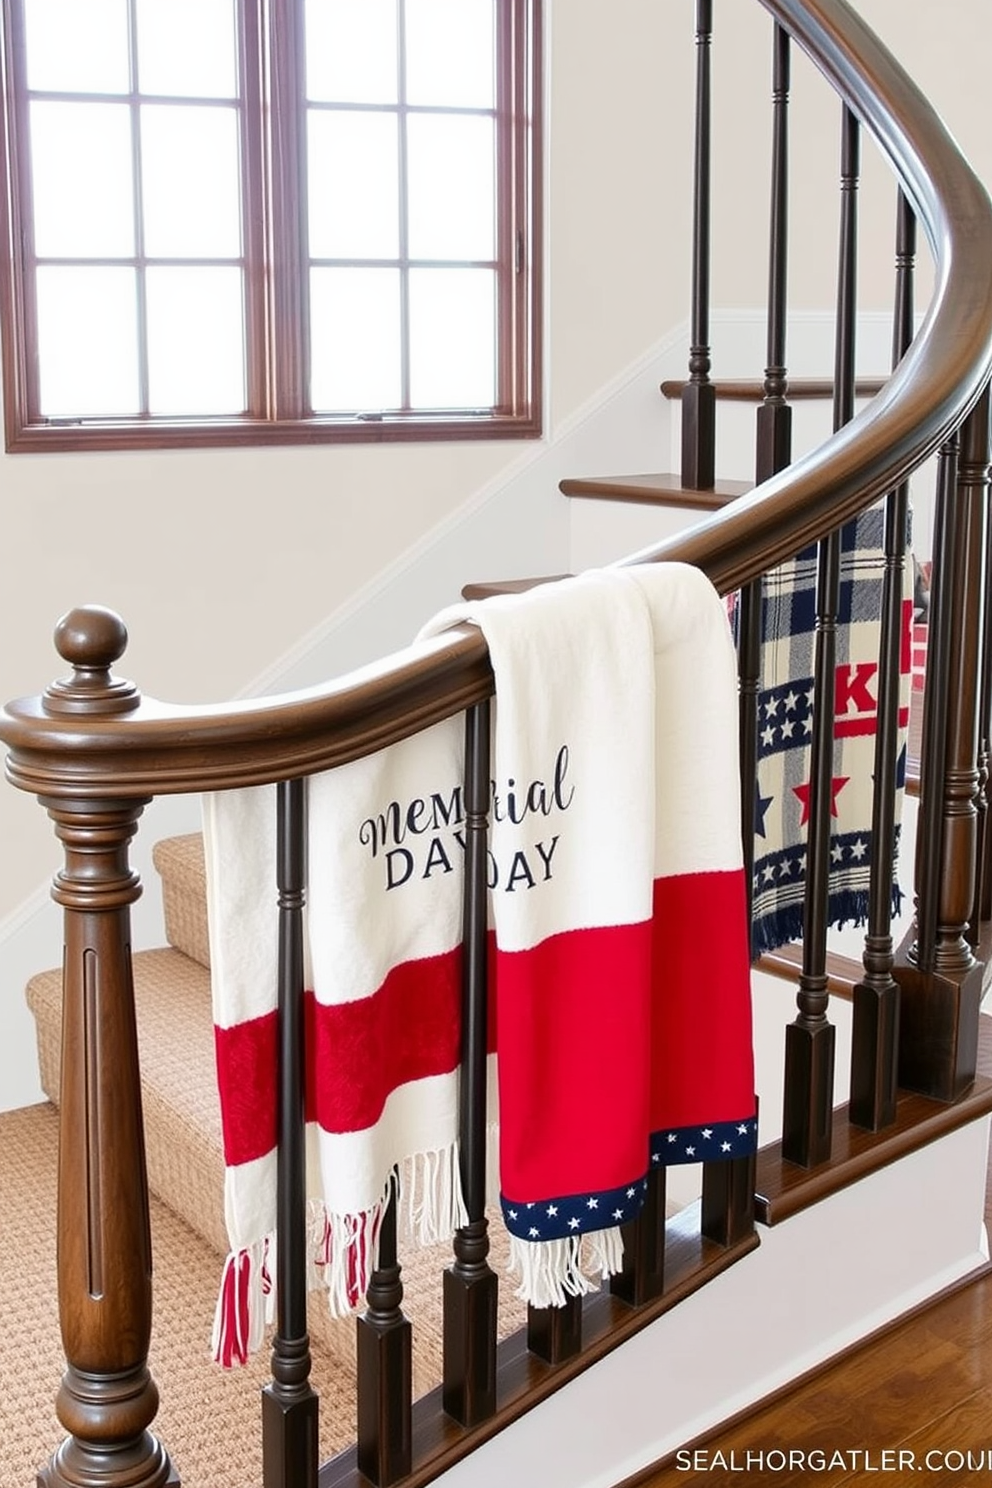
(933, 741)
(728, 1187)
(773, 439)
(875, 1039)
(643, 1273)
(470, 1284)
(554, 1334)
(385, 1367)
(289, 1404)
(107, 1399)
(810, 1040)
(774, 419)
(698, 395)
(940, 980)
(982, 909)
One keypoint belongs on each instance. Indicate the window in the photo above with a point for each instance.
(230, 221)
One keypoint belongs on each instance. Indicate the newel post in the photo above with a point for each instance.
(107, 1399)
(939, 977)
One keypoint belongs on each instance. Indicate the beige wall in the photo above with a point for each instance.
(219, 561)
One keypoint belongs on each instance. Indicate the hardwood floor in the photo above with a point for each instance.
(924, 1387)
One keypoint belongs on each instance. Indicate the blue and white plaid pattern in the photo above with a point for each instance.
(785, 724)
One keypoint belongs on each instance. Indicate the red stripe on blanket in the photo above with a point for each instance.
(702, 1065)
(357, 1053)
(845, 728)
(247, 1058)
(573, 1020)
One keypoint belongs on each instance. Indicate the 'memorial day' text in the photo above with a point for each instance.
(424, 836)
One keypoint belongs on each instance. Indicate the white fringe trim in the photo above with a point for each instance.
(431, 1204)
(492, 1166)
(603, 1252)
(551, 1271)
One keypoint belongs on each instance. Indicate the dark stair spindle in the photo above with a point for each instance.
(935, 704)
(728, 1187)
(811, 1039)
(554, 1334)
(727, 1209)
(982, 906)
(470, 1284)
(698, 397)
(385, 1367)
(982, 910)
(643, 1273)
(940, 979)
(961, 765)
(749, 686)
(290, 1457)
(773, 437)
(774, 418)
(875, 1040)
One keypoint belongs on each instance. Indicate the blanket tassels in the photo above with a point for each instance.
(343, 1253)
(603, 1252)
(429, 1193)
(431, 1204)
(551, 1271)
(240, 1316)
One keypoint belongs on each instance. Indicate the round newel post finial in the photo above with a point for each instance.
(91, 638)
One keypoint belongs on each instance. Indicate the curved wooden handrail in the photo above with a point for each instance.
(156, 748)
(162, 748)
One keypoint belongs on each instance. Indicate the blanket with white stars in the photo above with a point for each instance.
(785, 726)
(614, 859)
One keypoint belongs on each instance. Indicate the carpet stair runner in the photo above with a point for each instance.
(182, 1114)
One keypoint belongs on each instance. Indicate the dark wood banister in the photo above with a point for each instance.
(160, 749)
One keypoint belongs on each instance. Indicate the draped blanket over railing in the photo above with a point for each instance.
(785, 726)
(615, 849)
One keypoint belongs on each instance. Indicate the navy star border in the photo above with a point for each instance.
(599, 1209)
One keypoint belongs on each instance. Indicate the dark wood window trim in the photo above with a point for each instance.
(274, 257)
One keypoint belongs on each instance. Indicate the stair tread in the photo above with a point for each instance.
(183, 871)
(179, 1087)
(665, 489)
(783, 1188)
(752, 389)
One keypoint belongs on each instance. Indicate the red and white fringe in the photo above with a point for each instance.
(342, 1252)
(245, 1297)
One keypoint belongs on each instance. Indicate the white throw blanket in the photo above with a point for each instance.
(620, 968)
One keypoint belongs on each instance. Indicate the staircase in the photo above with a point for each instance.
(934, 1150)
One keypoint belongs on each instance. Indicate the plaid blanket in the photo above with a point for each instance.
(785, 725)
